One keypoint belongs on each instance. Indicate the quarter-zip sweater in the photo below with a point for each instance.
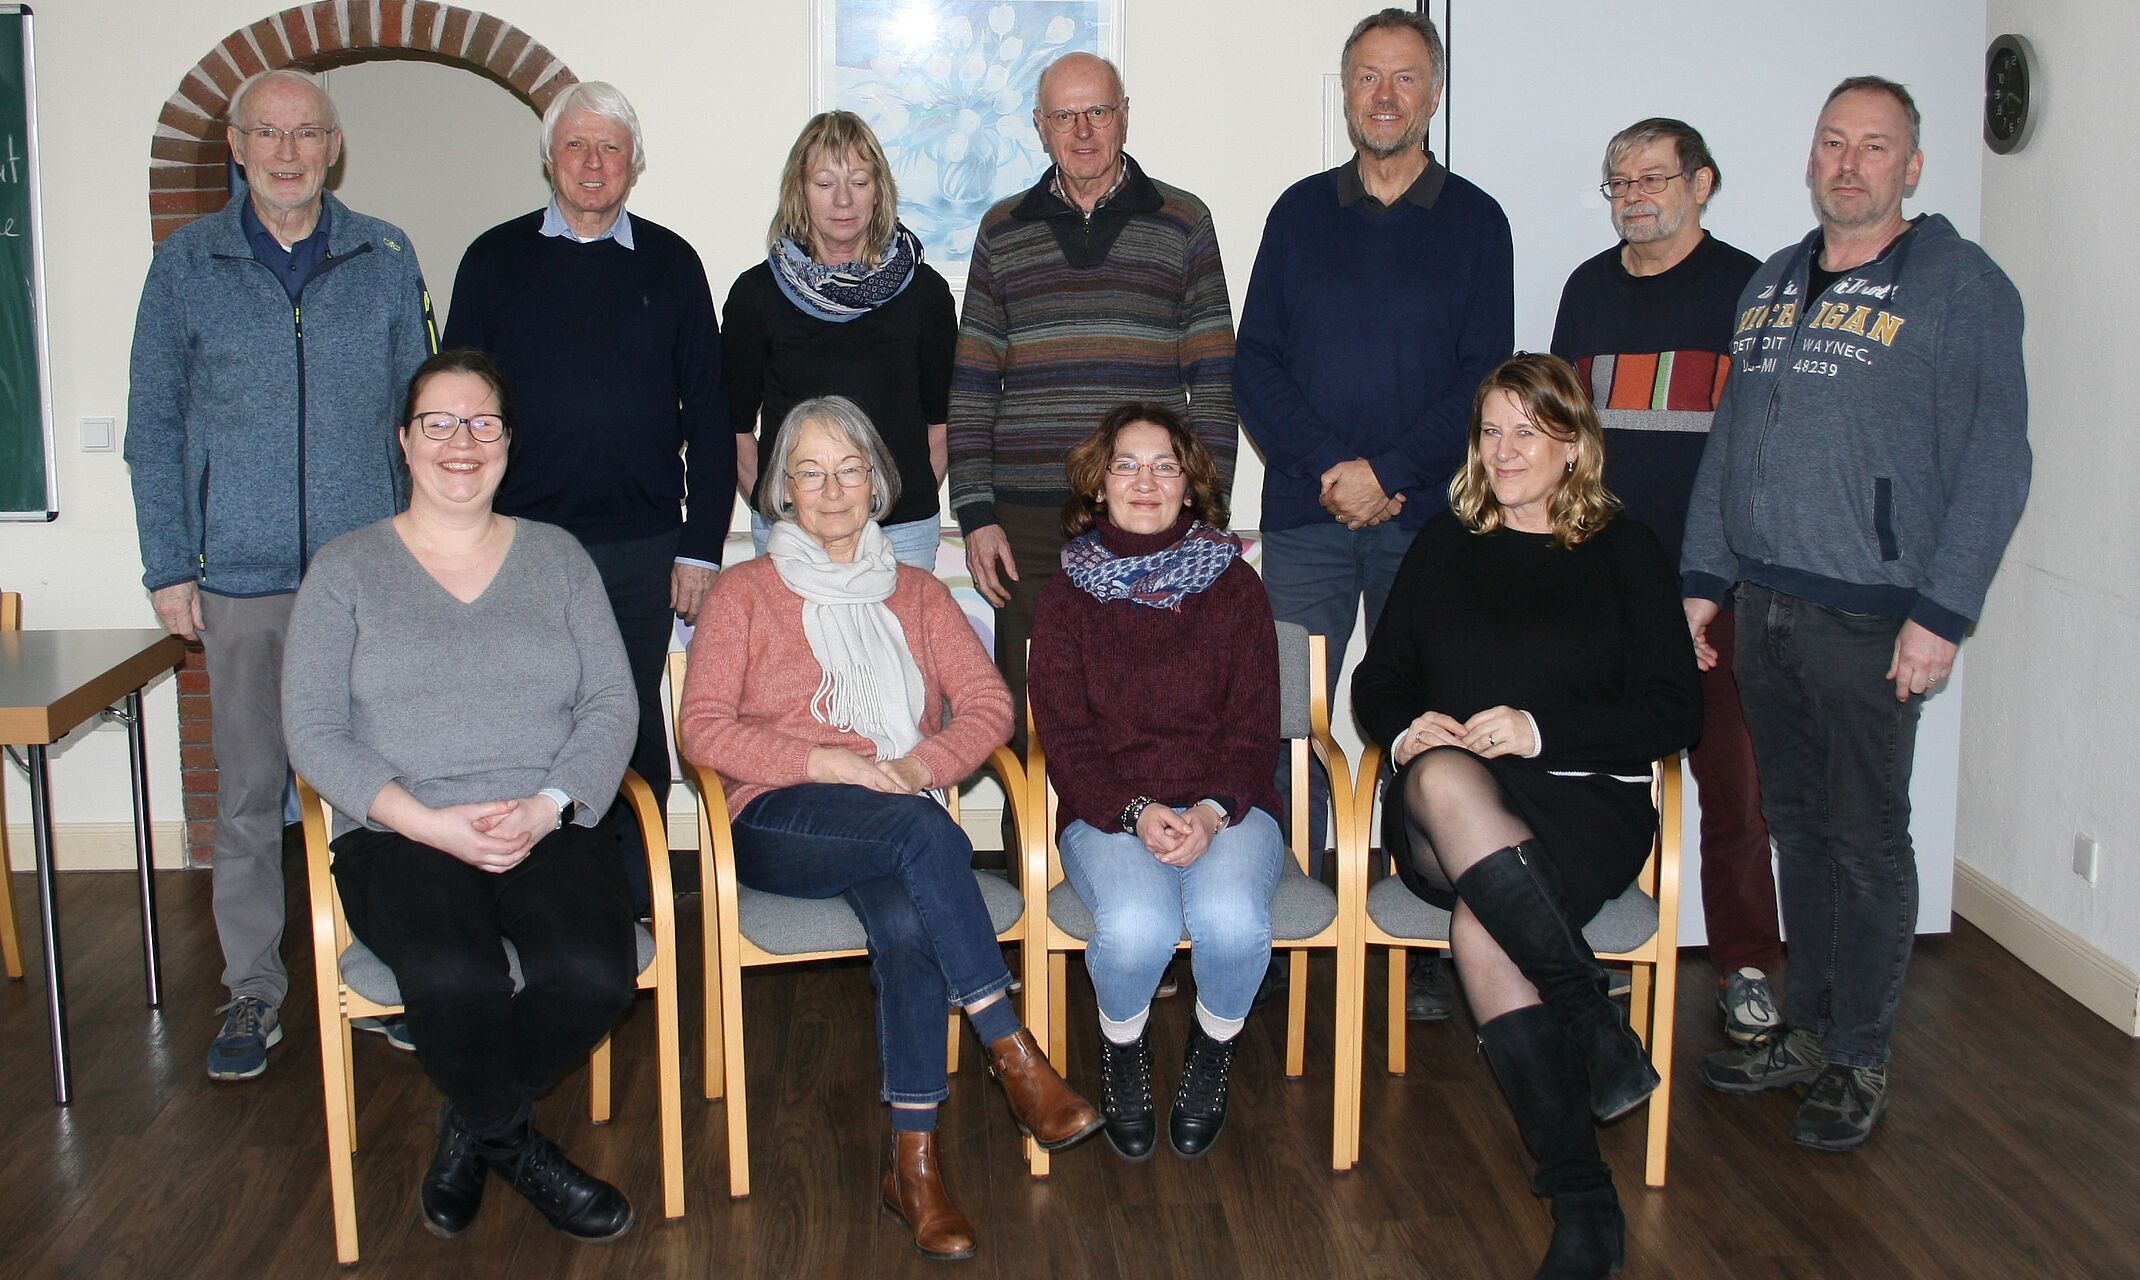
(1871, 450)
(261, 428)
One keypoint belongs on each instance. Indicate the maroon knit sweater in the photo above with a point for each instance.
(1177, 705)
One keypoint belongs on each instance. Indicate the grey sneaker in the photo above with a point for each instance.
(250, 1029)
(1427, 997)
(395, 1028)
(1841, 1108)
(1749, 1006)
(1775, 1063)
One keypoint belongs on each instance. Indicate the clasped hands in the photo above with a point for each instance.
(1353, 495)
(491, 835)
(1177, 839)
(900, 776)
(1496, 731)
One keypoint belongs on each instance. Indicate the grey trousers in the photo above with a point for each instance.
(244, 638)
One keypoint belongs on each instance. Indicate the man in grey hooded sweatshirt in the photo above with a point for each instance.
(1864, 470)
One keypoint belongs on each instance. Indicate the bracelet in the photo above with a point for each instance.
(1133, 811)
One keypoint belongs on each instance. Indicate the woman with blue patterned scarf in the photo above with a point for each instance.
(1154, 685)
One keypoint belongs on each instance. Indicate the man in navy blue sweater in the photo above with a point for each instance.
(605, 328)
(1383, 293)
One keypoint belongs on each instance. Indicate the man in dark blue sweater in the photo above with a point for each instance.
(605, 328)
(1383, 293)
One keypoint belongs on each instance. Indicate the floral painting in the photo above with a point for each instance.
(948, 87)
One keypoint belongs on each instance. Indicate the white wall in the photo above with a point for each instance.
(2053, 718)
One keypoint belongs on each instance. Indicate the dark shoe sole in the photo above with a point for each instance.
(611, 1238)
(433, 1225)
(1098, 1123)
(890, 1210)
(1607, 1117)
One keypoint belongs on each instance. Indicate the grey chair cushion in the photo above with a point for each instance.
(1300, 908)
(798, 926)
(1293, 681)
(367, 975)
(1623, 924)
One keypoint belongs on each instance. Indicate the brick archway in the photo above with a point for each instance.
(189, 176)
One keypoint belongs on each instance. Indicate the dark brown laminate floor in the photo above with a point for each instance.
(2013, 1147)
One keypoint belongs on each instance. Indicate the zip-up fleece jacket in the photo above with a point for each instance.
(259, 430)
(1871, 450)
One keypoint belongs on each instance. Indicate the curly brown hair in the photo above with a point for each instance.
(1553, 398)
(1087, 467)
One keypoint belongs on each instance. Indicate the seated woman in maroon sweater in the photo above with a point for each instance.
(1154, 683)
(1530, 664)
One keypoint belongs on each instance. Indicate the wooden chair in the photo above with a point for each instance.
(10, 938)
(353, 983)
(1640, 927)
(743, 928)
(1305, 913)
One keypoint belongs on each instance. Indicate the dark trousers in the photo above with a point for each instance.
(1036, 537)
(1835, 749)
(907, 870)
(441, 926)
(636, 575)
(1738, 882)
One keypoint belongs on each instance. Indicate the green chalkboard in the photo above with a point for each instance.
(26, 476)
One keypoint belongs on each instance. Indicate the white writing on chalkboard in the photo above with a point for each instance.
(11, 161)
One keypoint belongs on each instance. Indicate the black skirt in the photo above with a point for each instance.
(1596, 830)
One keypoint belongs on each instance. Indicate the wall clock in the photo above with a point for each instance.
(2009, 94)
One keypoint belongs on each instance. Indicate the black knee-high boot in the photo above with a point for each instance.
(1516, 896)
(1543, 1082)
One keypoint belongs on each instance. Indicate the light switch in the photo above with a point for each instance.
(99, 434)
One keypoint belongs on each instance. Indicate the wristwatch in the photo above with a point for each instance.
(567, 807)
(1133, 811)
(1217, 806)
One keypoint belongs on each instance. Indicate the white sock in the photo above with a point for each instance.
(1127, 1030)
(1218, 1028)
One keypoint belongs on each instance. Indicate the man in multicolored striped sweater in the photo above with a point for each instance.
(1648, 325)
(1096, 286)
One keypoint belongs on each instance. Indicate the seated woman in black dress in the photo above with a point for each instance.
(1531, 663)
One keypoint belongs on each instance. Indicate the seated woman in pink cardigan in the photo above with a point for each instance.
(817, 683)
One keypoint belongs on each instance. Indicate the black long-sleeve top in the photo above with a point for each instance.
(1591, 640)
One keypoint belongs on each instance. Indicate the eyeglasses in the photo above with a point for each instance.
(810, 479)
(1100, 116)
(484, 428)
(1648, 184)
(1162, 468)
(308, 137)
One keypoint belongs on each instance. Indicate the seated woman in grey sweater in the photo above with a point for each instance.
(455, 687)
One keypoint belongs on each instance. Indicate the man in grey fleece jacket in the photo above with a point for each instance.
(1865, 468)
(272, 351)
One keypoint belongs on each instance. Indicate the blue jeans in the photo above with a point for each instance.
(1140, 906)
(1316, 576)
(907, 870)
(913, 543)
(1834, 749)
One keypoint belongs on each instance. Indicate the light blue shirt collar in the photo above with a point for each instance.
(554, 224)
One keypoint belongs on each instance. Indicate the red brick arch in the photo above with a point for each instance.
(189, 177)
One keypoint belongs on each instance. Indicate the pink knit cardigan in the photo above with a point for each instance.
(746, 708)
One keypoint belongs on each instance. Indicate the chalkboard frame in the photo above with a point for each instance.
(49, 509)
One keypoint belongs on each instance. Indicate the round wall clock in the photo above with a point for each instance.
(2009, 94)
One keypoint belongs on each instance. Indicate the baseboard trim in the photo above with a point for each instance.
(2064, 958)
(98, 846)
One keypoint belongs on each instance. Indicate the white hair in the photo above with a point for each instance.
(596, 97)
(305, 78)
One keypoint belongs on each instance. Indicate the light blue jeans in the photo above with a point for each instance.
(913, 543)
(1141, 906)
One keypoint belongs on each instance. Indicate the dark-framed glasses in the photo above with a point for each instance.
(1161, 468)
(1648, 184)
(812, 479)
(1063, 119)
(484, 428)
(308, 137)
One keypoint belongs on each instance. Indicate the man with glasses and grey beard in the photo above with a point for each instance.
(1383, 293)
(1647, 325)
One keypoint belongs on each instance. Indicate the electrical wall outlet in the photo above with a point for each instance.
(2087, 850)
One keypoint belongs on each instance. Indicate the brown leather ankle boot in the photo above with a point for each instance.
(914, 1193)
(1047, 1110)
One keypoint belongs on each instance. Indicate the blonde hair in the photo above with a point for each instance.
(831, 135)
(1553, 398)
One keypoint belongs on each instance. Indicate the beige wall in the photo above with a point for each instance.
(2053, 718)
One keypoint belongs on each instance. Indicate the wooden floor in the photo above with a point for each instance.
(2012, 1150)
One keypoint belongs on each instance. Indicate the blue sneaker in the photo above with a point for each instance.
(395, 1028)
(250, 1029)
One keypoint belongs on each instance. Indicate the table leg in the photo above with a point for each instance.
(48, 921)
(137, 752)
